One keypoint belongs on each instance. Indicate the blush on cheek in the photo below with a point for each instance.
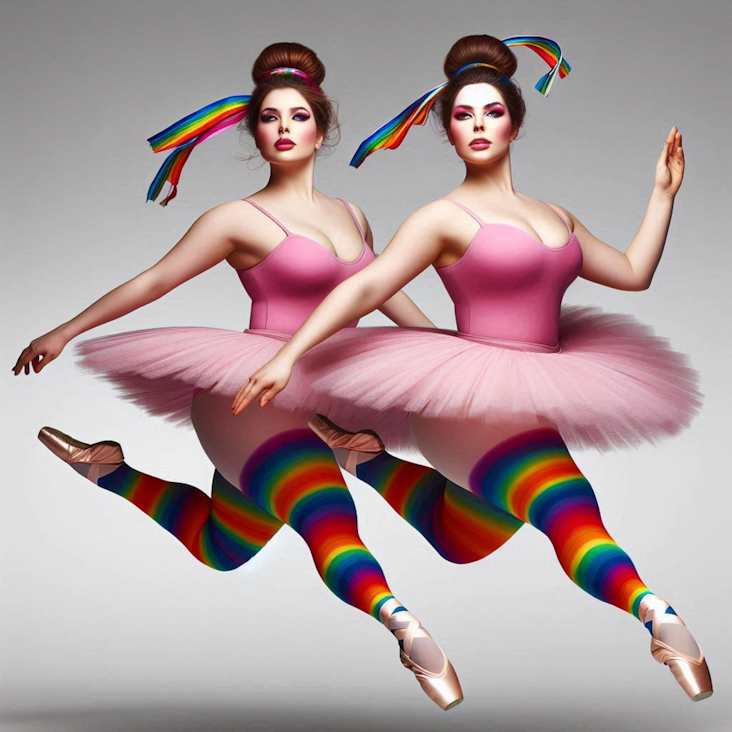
(309, 134)
(461, 133)
(266, 135)
(503, 127)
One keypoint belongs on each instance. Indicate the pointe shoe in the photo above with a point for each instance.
(442, 686)
(359, 446)
(673, 645)
(91, 461)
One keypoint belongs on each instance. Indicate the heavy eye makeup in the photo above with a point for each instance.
(494, 110)
(299, 115)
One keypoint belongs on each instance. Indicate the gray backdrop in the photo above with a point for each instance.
(107, 622)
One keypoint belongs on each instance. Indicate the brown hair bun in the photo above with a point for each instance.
(487, 50)
(296, 56)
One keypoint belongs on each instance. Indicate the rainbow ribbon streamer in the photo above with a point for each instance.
(551, 53)
(184, 135)
(391, 135)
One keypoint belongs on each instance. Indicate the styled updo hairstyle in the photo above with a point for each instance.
(481, 49)
(296, 56)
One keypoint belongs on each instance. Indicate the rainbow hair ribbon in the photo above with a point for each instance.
(188, 132)
(289, 71)
(392, 134)
(195, 128)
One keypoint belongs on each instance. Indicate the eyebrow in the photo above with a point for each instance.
(467, 106)
(292, 109)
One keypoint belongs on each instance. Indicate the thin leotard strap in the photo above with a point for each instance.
(269, 216)
(466, 209)
(354, 217)
(561, 216)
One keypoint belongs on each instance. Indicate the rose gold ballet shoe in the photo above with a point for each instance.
(359, 446)
(91, 461)
(442, 686)
(673, 645)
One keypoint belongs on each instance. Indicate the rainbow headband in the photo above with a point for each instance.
(185, 134)
(392, 134)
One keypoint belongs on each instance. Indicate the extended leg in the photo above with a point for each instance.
(459, 525)
(462, 527)
(286, 470)
(222, 531)
(531, 475)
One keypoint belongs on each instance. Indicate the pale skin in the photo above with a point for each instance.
(240, 234)
(481, 131)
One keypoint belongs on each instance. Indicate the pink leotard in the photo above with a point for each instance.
(508, 286)
(612, 384)
(285, 289)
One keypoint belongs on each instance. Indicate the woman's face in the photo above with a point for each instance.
(286, 131)
(480, 124)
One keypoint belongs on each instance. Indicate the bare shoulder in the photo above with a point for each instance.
(359, 214)
(434, 214)
(235, 220)
(443, 223)
(570, 218)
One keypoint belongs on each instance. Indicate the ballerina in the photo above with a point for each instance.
(496, 408)
(286, 474)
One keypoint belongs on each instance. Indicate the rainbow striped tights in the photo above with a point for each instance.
(532, 476)
(293, 479)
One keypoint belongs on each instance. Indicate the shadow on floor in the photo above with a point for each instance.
(190, 718)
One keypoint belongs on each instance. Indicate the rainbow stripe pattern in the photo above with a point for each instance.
(294, 477)
(223, 531)
(533, 477)
(461, 526)
(390, 135)
(550, 52)
(185, 134)
(288, 71)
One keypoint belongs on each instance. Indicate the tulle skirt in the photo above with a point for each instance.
(612, 384)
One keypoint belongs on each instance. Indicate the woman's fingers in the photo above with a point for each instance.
(265, 384)
(40, 352)
(267, 397)
(256, 388)
(27, 358)
(671, 146)
(240, 395)
(40, 364)
(667, 146)
(247, 394)
(676, 144)
(269, 394)
(679, 149)
(663, 159)
(22, 361)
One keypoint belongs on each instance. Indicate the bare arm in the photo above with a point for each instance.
(209, 241)
(415, 246)
(400, 308)
(634, 269)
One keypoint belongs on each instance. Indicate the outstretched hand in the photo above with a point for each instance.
(266, 383)
(670, 166)
(40, 352)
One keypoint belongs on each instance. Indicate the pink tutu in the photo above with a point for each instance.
(162, 370)
(612, 384)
